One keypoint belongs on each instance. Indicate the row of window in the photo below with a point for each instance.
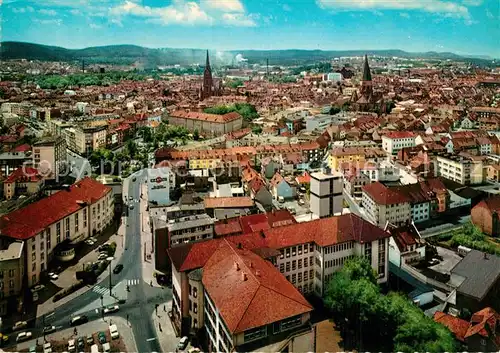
(339, 247)
(294, 250)
(294, 264)
(337, 262)
(11, 284)
(11, 273)
(298, 277)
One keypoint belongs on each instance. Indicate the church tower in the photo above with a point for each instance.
(206, 90)
(366, 82)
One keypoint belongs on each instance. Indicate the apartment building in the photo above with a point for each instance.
(463, 170)
(51, 226)
(190, 229)
(90, 138)
(11, 274)
(384, 205)
(50, 158)
(210, 124)
(22, 181)
(12, 160)
(305, 254)
(326, 193)
(394, 141)
(57, 127)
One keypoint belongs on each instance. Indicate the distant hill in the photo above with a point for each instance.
(129, 54)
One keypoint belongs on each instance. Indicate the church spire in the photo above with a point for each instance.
(207, 63)
(367, 76)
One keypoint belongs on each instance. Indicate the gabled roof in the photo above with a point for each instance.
(244, 287)
(228, 202)
(480, 321)
(25, 175)
(383, 195)
(456, 325)
(491, 204)
(32, 219)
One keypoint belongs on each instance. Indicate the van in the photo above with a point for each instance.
(23, 336)
(94, 348)
(113, 330)
(106, 348)
(71, 345)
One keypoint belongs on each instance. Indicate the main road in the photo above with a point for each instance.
(141, 299)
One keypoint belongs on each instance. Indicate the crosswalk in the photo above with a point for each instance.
(100, 290)
(132, 282)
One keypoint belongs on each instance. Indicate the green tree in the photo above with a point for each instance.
(131, 148)
(257, 130)
(196, 135)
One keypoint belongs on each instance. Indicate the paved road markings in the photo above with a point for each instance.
(133, 282)
(97, 311)
(151, 339)
(100, 290)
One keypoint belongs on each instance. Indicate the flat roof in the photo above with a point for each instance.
(14, 251)
(324, 176)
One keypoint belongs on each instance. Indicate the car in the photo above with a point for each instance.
(37, 288)
(89, 242)
(71, 345)
(131, 207)
(3, 339)
(47, 347)
(106, 347)
(103, 248)
(78, 320)
(111, 309)
(49, 329)
(20, 325)
(118, 269)
(53, 276)
(433, 262)
(113, 331)
(80, 343)
(102, 256)
(23, 336)
(182, 343)
(90, 340)
(101, 336)
(281, 199)
(94, 239)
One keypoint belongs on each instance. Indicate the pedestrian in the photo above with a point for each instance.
(164, 308)
(151, 283)
(159, 325)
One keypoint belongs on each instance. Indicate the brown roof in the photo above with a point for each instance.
(383, 195)
(228, 202)
(243, 287)
(206, 117)
(456, 325)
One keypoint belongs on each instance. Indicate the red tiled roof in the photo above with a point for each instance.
(479, 320)
(243, 287)
(228, 202)
(32, 219)
(303, 179)
(456, 325)
(383, 195)
(206, 117)
(22, 148)
(227, 227)
(24, 175)
(400, 134)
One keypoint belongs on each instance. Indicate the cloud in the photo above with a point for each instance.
(286, 8)
(179, 12)
(23, 9)
(94, 26)
(404, 15)
(47, 12)
(57, 22)
(431, 6)
(239, 20)
(75, 12)
(489, 14)
(223, 5)
(472, 2)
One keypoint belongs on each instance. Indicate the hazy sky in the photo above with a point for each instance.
(460, 26)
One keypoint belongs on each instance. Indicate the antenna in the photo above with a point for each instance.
(267, 66)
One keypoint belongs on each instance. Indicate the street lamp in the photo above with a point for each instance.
(110, 258)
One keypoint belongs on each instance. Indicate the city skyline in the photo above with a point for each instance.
(467, 27)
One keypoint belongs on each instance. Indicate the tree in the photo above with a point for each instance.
(257, 130)
(131, 148)
(196, 135)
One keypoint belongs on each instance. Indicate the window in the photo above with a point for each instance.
(282, 267)
(33, 256)
(282, 254)
(311, 261)
(11, 284)
(299, 263)
(33, 267)
(300, 276)
(77, 221)
(195, 308)
(306, 248)
(305, 276)
(294, 278)
(311, 247)
(67, 227)
(190, 305)
(288, 252)
(195, 292)
(41, 246)
(294, 265)
(311, 274)
(299, 249)
(33, 279)
(11, 273)
(190, 289)
(287, 266)
(84, 218)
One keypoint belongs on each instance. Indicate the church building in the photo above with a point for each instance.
(367, 100)
(209, 87)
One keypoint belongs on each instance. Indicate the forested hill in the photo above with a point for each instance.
(129, 54)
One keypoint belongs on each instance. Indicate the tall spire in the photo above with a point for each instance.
(207, 63)
(367, 76)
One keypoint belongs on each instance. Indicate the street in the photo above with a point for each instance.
(141, 298)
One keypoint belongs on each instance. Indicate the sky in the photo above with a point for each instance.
(461, 26)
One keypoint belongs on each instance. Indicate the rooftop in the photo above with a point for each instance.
(228, 202)
(13, 251)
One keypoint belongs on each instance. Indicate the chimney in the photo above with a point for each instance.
(236, 266)
(243, 276)
(251, 264)
(257, 273)
(262, 234)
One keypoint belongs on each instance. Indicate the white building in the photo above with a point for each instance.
(11, 273)
(395, 141)
(461, 169)
(326, 193)
(406, 246)
(160, 181)
(50, 157)
(383, 205)
(69, 216)
(190, 229)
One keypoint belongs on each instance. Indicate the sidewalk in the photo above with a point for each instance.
(126, 334)
(67, 277)
(147, 246)
(167, 337)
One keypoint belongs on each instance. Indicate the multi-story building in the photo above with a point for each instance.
(89, 139)
(463, 170)
(50, 227)
(57, 127)
(326, 193)
(11, 274)
(12, 160)
(306, 254)
(190, 229)
(23, 181)
(210, 124)
(394, 141)
(384, 205)
(50, 158)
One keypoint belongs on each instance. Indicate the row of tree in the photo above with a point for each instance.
(371, 321)
(247, 111)
(89, 79)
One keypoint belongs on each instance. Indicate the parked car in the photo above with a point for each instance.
(113, 331)
(89, 242)
(80, 343)
(90, 340)
(4, 339)
(53, 276)
(183, 343)
(23, 336)
(94, 348)
(104, 247)
(78, 320)
(37, 288)
(106, 347)
(49, 329)
(20, 325)
(102, 256)
(111, 309)
(102, 337)
(47, 347)
(71, 345)
(118, 269)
